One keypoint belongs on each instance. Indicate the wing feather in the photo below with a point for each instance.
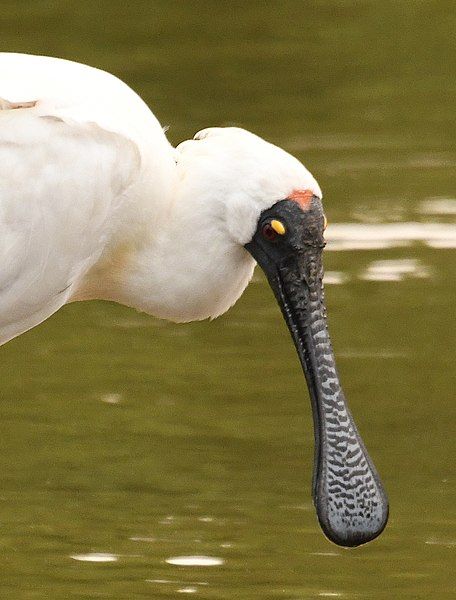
(60, 185)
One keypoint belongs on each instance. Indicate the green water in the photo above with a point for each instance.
(143, 440)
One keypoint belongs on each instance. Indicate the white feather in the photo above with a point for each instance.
(95, 202)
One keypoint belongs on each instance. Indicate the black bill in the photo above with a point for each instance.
(349, 497)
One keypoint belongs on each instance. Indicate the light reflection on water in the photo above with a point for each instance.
(335, 278)
(447, 543)
(195, 561)
(395, 270)
(438, 206)
(380, 236)
(96, 557)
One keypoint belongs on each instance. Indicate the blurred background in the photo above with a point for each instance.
(126, 441)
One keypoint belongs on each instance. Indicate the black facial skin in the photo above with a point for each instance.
(349, 497)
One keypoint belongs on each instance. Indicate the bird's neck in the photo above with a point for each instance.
(168, 258)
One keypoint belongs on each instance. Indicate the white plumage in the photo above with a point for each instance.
(95, 202)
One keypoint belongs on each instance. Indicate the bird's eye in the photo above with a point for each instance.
(268, 232)
(272, 229)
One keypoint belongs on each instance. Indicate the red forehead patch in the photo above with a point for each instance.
(302, 197)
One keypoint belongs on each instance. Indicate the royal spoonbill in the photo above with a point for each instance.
(96, 203)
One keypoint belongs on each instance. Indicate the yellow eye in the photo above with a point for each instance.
(278, 227)
(325, 222)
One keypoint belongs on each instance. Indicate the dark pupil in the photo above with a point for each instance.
(268, 232)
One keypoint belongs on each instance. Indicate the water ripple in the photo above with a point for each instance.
(395, 270)
(95, 557)
(438, 206)
(195, 561)
(377, 236)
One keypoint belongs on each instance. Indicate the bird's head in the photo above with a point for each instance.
(239, 175)
(265, 201)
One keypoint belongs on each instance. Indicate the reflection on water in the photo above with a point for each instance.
(96, 557)
(438, 206)
(195, 561)
(335, 278)
(448, 543)
(395, 270)
(187, 589)
(379, 236)
(126, 441)
(111, 398)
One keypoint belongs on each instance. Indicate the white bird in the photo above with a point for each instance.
(96, 203)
